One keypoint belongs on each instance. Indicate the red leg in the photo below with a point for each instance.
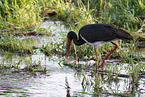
(96, 58)
(103, 61)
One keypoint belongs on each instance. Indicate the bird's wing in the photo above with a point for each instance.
(97, 32)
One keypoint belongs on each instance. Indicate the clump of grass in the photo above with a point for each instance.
(31, 67)
(53, 48)
(67, 11)
(13, 44)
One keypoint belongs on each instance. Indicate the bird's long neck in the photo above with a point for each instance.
(76, 41)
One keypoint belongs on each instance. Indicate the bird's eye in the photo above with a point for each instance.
(68, 36)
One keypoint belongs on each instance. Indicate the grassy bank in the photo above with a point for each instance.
(27, 14)
(119, 13)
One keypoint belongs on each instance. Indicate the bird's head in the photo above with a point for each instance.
(69, 40)
(70, 35)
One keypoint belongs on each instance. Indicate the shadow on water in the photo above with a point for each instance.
(62, 81)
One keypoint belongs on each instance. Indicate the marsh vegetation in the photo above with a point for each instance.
(33, 46)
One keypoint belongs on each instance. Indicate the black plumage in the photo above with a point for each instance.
(99, 32)
(95, 34)
(103, 32)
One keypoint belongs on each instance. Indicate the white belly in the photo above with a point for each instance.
(95, 44)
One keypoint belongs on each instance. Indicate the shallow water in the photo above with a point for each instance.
(54, 82)
(51, 84)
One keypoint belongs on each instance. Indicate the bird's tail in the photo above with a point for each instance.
(124, 35)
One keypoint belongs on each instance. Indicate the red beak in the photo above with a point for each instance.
(68, 48)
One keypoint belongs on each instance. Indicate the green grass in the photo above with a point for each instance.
(26, 14)
(15, 45)
(19, 14)
(120, 13)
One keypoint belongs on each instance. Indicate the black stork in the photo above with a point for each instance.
(95, 35)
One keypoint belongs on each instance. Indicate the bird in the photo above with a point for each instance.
(96, 35)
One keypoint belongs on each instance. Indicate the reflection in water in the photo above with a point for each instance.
(67, 87)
